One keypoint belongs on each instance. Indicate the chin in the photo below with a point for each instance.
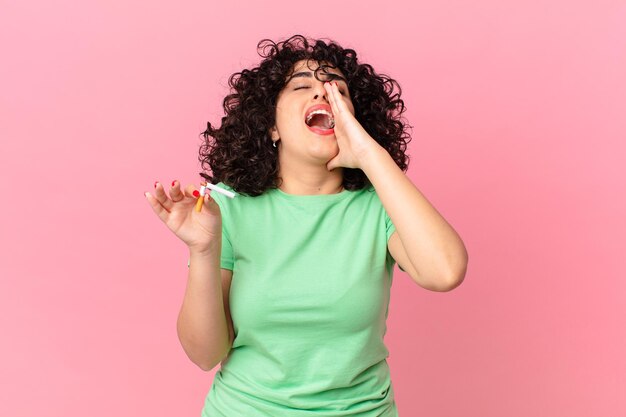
(326, 148)
(324, 154)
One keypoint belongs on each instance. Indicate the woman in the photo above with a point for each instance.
(313, 144)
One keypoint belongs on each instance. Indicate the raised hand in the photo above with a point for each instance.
(352, 139)
(197, 229)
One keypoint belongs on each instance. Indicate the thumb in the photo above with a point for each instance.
(332, 164)
(210, 204)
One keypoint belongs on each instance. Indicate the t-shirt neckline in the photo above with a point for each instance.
(313, 197)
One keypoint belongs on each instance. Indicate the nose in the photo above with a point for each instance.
(319, 90)
(318, 95)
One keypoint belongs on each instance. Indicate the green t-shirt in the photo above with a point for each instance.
(309, 300)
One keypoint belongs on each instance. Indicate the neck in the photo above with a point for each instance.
(311, 182)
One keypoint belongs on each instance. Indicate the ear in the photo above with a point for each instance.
(274, 133)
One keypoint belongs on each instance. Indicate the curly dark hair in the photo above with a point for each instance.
(241, 154)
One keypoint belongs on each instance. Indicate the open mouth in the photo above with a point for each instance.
(320, 122)
(320, 119)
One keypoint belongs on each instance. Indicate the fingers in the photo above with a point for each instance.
(336, 104)
(157, 207)
(161, 197)
(189, 189)
(192, 192)
(176, 194)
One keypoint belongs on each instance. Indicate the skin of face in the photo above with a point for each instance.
(298, 145)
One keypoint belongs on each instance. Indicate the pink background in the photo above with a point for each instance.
(519, 123)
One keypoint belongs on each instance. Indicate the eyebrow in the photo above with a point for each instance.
(309, 74)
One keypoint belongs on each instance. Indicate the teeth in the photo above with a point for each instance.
(314, 112)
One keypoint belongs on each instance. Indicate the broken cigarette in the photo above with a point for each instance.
(201, 198)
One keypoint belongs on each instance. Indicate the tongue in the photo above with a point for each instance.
(320, 120)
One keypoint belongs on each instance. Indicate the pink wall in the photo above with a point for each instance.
(518, 113)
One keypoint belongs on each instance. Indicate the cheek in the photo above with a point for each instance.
(351, 107)
(287, 122)
(348, 102)
(282, 117)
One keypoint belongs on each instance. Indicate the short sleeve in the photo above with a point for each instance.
(390, 229)
(390, 226)
(227, 260)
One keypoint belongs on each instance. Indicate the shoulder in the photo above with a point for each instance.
(239, 202)
(369, 193)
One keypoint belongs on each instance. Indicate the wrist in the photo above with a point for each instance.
(205, 250)
(371, 156)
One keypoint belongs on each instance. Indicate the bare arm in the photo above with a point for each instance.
(436, 254)
(202, 324)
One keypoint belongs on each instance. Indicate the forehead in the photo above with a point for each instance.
(307, 68)
(312, 65)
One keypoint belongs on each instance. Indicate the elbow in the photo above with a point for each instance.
(450, 276)
(455, 279)
(204, 355)
(205, 366)
(457, 271)
(208, 365)
(202, 362)
(198, 357)
(452, 284)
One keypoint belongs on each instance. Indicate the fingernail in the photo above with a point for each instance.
(196, 193)
(155, 184)
(173, 182)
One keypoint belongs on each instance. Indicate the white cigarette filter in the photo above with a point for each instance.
(220, 190)
(202, 190)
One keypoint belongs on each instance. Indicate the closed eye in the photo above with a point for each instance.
(298, 88)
